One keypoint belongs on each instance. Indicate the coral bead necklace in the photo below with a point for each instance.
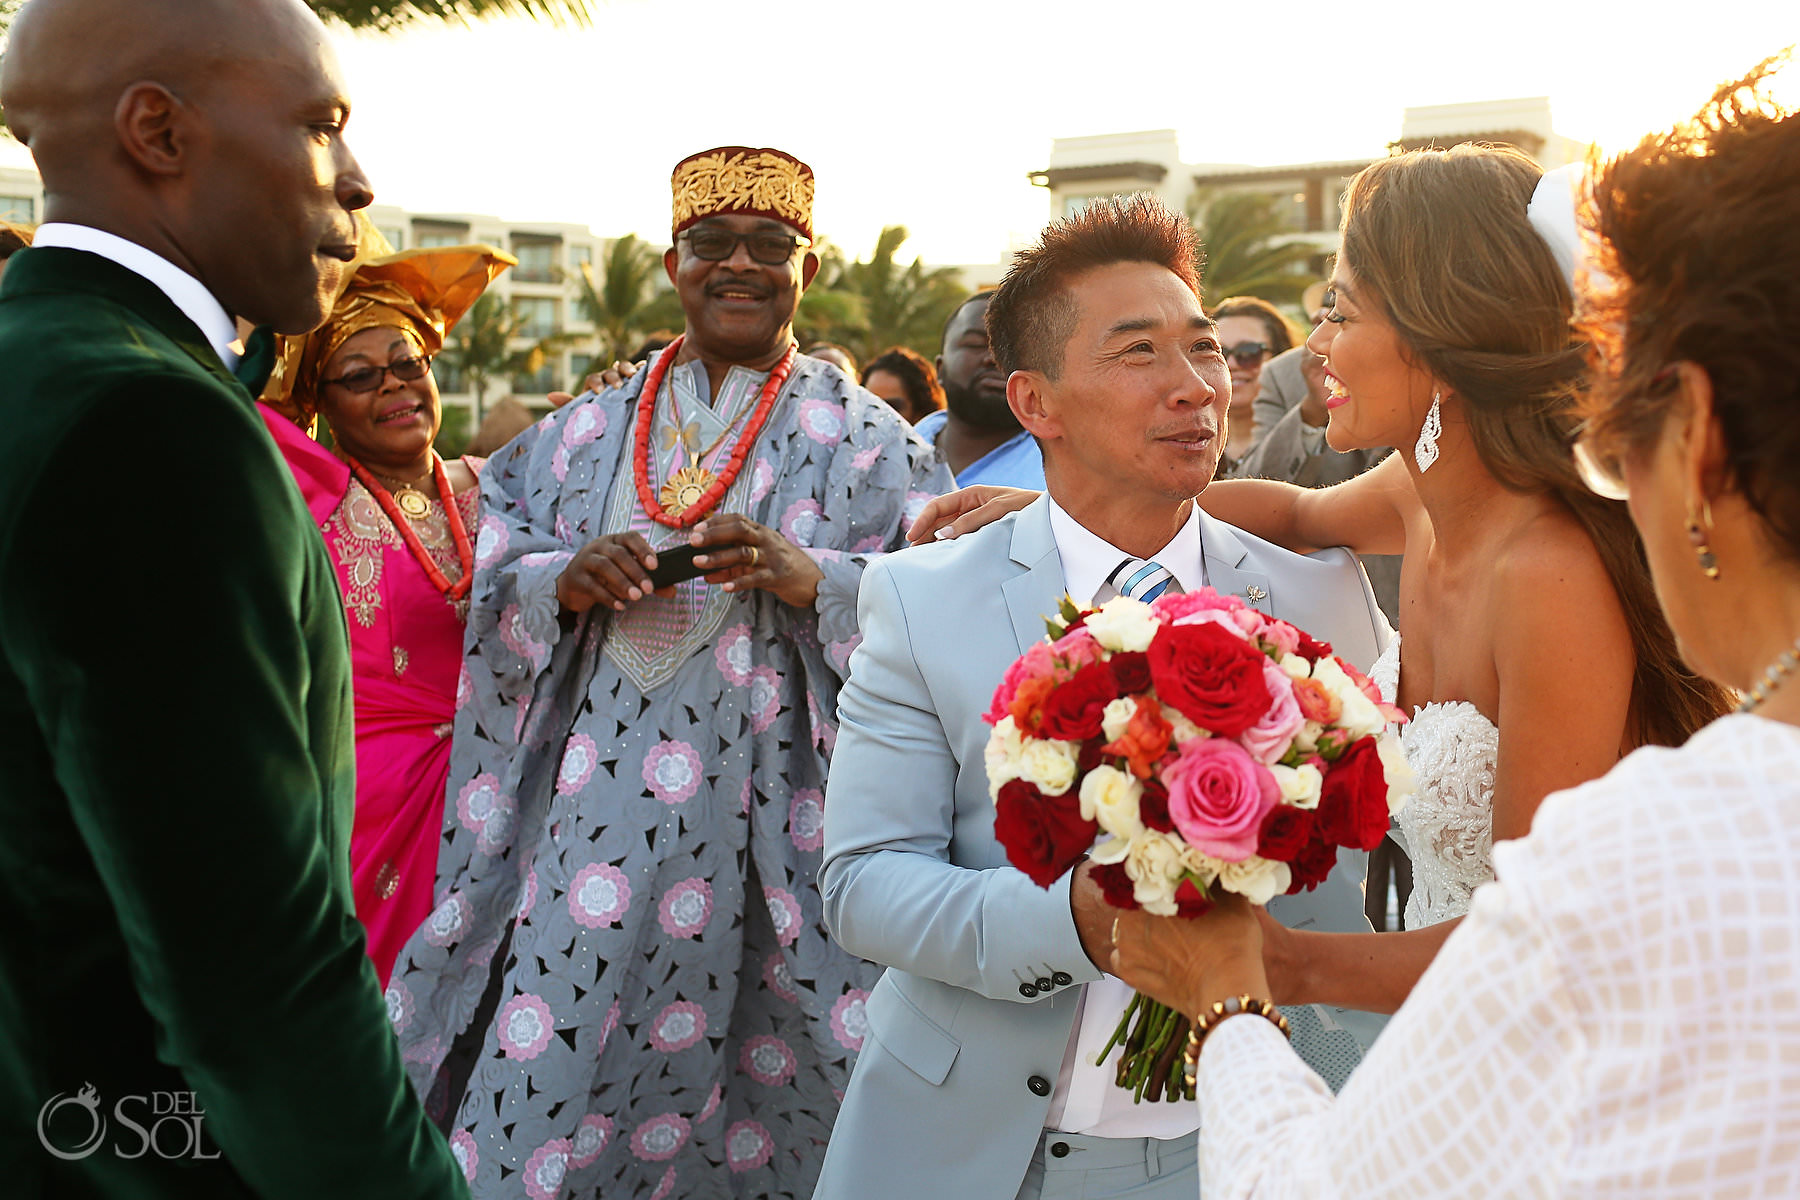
(399, 514)
(691, 492)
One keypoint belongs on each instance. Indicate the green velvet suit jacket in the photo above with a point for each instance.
(176, 783)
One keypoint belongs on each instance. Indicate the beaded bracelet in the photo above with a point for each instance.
(1212, 1017)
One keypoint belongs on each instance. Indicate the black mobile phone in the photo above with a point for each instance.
(676, 565)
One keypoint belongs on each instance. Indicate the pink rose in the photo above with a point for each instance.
(1078, 649)
(1270, 737)
(1249, 622)
(1170, 607)
(1284, 637)
(1036, 663)
(1218, 797)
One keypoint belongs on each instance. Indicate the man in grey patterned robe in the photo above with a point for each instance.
(627, 961)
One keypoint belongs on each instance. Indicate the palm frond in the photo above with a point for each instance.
(395, 14)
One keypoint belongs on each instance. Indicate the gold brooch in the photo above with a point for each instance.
(1256, 594)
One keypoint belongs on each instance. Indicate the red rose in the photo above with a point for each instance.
(1312, 866)
(1114, 884)
(1286, 831)
(1043, 835)
(1213, 678)
(1312, 651)
(1073, 712)
(1353, 803)
(1132, 669)
(1153, 807)
(1190, 901)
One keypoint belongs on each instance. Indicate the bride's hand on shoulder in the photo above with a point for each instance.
(967, 510)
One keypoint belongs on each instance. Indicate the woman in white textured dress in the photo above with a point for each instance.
(1448, 335)
(1619, 1015)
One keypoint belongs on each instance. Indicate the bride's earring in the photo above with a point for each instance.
(1709, 562)
(1425, 450)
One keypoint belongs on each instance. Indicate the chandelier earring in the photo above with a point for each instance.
(1698, 526)
(1425, 450)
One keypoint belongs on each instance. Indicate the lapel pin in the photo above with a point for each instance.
(1256, 594)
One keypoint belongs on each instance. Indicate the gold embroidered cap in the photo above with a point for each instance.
(423, 291)
(742, 180)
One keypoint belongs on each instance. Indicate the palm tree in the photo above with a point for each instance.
(393, 14)
(622, 300)
(480, 348)
(902, 306)
(1248, 248)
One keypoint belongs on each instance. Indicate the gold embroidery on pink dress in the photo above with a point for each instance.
(360, 534)
(401, 658)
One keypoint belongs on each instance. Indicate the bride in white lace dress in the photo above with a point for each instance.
(1525, 603)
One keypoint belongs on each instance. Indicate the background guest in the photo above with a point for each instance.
(906, 381)
(1283, 382)
(836, 355)
(1619, 1013)
(396, 520)
(13, 238)
(976, 434)
(1252, 331)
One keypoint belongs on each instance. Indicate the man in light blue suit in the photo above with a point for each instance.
(978, 1075)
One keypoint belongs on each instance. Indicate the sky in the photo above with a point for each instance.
(930, 113)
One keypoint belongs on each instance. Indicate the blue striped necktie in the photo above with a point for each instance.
(1140, 579)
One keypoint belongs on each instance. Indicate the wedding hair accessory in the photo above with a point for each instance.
(1425, 450)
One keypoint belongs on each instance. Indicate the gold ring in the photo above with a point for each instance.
(1115, 932)
(755, 555)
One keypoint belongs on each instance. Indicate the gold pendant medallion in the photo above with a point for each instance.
(684, 489)
(413, 504)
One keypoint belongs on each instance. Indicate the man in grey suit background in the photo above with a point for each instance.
(978, 1078)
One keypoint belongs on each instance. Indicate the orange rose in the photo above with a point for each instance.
(1145, 740)
(1028, 703)
(1316, 701)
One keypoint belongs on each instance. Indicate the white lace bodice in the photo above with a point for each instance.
(1449, 822)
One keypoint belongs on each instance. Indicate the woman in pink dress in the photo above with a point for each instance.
(396, 518)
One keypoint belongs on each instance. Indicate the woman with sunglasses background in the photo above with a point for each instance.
(397, 520)
(1251, 331)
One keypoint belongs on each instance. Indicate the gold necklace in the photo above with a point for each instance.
(1772, 678)
(416, 505)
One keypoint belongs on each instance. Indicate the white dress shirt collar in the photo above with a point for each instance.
(1088, 558)
(183, 290)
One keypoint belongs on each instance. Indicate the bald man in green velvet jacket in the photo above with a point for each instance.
(185, 1006)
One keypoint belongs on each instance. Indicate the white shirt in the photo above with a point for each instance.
(1618, 1015)
(183, 290)
(1085, 1100)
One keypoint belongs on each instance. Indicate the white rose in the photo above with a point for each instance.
(1110, 850)
(1185, 730)
(1049, 764)
(1400, 779)
(1301, 785)
(1154, 864)
(1122, 624)
(1258, 880)
(1116, 716)
(1004, 756)
(1295, 667)
(1360, 717)
(1307, 740)
(1110, 796)
(1205, 866)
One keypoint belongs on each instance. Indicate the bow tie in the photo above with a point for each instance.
(254, 368)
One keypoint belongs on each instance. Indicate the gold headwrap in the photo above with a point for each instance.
(755, 182)
(422, 291)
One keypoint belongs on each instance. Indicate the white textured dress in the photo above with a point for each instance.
(1449, 822)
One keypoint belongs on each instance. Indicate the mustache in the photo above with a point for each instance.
(760, 290)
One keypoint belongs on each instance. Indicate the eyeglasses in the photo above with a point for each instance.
(367, 379)
(1246, 353)
(766, 247)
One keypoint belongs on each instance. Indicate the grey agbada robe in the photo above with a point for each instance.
(645, 796)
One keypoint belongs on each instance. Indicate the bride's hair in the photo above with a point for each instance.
(1442, 240)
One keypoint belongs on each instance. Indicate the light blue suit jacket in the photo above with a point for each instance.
(953, 1083)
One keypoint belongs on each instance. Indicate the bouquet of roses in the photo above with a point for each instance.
(1214, 747)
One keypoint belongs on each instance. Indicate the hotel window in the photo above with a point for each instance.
(20, 209)
(537, 260)
(538, 316)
